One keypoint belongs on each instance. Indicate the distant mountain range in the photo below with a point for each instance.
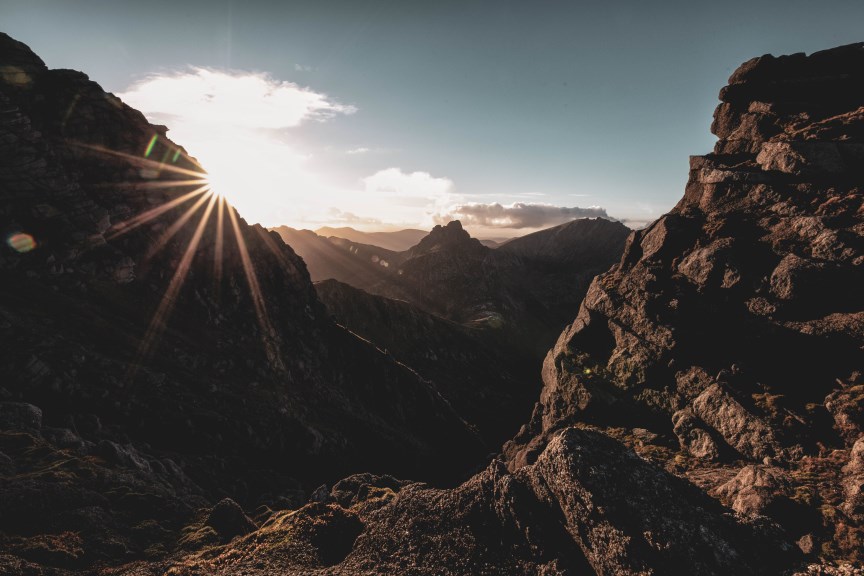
(397, 241)
(475, 320)
(528, 288)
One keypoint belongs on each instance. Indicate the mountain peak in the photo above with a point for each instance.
(449, 236)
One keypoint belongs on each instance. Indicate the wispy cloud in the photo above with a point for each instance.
(340, 216)
(302, 68)
(517, 214)
(236, 98)
(236, 124)
(360, 150)
(393, 181)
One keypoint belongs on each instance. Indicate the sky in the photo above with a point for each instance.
(386, 114)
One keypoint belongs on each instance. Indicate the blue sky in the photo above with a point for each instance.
(428, 110)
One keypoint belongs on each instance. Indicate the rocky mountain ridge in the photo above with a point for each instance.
(169, 349)
(396, 241)
(702, 415)
(731, 329)
(523, 292)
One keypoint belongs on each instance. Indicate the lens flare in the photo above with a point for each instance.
(21, 242)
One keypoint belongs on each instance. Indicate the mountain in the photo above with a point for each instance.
(732, 328)
(476, 321)
(493, 242)
(489, 383)
(397, 241)
(528, 289)
(356, 264)
(702, 414)
(159, 351)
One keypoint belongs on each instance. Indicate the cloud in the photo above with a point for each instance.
(360, 150)
(238, 98)
(393, 181)
(237, 124)
(340, 216)
(302, 68)
(517, 215)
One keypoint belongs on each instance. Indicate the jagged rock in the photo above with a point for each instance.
(755, 489)
(228, 520)
(64, 438)
(320, 494)
(693, 437)
(853, 481)
(638, 520)
(126, 456)
(802, 158)
(755, 277)
(588, 505)
(358, 488)
(846, 405)
(743, 431)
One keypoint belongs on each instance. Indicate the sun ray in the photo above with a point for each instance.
(273, 246)
(156, 185)
(177, 225)
(132, 223)
(217, 203)
(267, 332)
(145, 162)
(220, 230)
(157, 324)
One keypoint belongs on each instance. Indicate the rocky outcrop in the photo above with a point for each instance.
(732, 326)
(587, 506)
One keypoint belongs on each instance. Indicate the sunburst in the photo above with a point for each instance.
(215, 207)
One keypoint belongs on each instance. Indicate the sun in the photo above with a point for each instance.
(252, 172)
(202, 201)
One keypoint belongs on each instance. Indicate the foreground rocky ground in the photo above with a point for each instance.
(702, 415)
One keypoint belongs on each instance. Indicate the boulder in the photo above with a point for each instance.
(228, 520)
(20, 416)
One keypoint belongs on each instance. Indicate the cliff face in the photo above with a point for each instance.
(138, 309)
(732, 328)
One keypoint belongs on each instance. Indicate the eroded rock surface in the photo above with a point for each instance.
(732, 327)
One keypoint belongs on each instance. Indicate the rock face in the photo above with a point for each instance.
(733, 326)
(140, 313)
